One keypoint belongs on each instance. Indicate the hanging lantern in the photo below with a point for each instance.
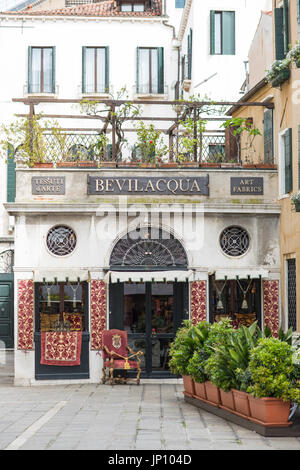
(245, 304)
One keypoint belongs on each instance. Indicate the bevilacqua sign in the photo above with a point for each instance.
(152, 185)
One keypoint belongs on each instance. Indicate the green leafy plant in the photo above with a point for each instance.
(272, 371)
(277, 67)
(150, 143)
(241, 127)
(294, 54)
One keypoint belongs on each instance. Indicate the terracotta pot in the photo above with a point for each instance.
(189, 165)
(66, 164)
(241, 402)
(248, 165)
(265, 165)
(200, 391)
(210, 165)
(88, 164)
(169, 165)
(108, 164)
(148, 165)
(212, 393)
(188, 385)
(42, 165)
(227, 400)
(269, 410)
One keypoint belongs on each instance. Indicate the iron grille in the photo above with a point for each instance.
(234, 241)
(148, 248)
(292, 305)
(6, 261)
(61, 240)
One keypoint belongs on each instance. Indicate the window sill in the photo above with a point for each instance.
(143, 96)
(95, 95)
(41, 95)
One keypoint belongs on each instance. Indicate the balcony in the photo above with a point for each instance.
(139, 134)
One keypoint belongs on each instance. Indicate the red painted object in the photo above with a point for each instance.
(188, 384)
(200, 391)
(270, 411)
(227, 400)
(241, 402)
(212, 393)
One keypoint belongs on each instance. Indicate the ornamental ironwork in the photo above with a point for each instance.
(148, 248)
(6, 261)
(61, 240)
(234, 241)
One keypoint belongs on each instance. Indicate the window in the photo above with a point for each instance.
(61, 240)
(268, 136)
(291, 293)
(41, 70)
(222, 32)
(282, 34)
(95, 69)
(234, 241)
(298, 17)
(288, 161)
(133, 7)
(150, 70)
(62, 302)
(190, 54)
(179, 3)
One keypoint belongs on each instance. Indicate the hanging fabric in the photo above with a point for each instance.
(219, 295)
(245, 292)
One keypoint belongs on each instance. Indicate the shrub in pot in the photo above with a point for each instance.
(197, 362)
(273, 381)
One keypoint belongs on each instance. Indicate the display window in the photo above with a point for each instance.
(61, 306)
(237, 299)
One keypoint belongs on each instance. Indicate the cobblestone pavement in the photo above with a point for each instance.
(122, 417)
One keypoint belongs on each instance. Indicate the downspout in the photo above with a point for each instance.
(165, 22)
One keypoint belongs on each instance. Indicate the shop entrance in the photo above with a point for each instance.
(151, 313)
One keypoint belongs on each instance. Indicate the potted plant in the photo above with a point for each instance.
(181, 351)
(279, 72)
(150, 145)
(295, 198)
(273, 382)
(294, 54)
(197, 362)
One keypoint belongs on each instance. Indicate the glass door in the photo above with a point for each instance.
(151, 314)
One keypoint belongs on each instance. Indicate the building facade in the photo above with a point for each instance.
(118, 241)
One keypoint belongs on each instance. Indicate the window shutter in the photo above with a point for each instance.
(279, 43)
(107, 69)
(179, 3)
(286, 33)
(288, 151)
(29, 69)
(228, 32)
(53, 68)
(212, 32)
(160, 58)
(83, 69)
(268, 136)
(190, 54)
(298, 15)
(11, 175)
(299, 156)
(137, 69)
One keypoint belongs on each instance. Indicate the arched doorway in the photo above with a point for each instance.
(149, 293)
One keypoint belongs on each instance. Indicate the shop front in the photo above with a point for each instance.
(84, 265)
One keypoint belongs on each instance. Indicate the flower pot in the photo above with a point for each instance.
(108, 164)
(297, 206)
(200, 391)
(266, 165)
(248, 165)
(189, 165)
(88, 164)
(188, 383)
(148, 165)
(227, 400)
(241, 402)
(282, 77)
(212, 393)
(42, 165)
(270, 411)
(230, 165)
(297, 62)
(66, 164)
(169, 165)
(210, 165)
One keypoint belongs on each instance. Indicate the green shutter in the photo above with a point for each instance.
(286, 32)
(83, 69)
(299, 156)
(279, 42)
(53, 68)
(212, 32)
(268, 136)
(29, 69)
(190, 54)
(137, 69)
(288, 155)
(107, 69)
(298, 15)
(228, 32)
(160, 58)
(11, 175)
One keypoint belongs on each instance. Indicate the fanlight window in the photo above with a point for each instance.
(61, 240)
(234, 241)
(148, 249)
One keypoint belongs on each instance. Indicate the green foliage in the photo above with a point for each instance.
(272, 371)
(150, 143)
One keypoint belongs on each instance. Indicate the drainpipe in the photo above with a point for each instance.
(177, 45)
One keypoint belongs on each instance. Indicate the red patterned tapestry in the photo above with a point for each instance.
(271, 306)
(61, 348)
(98, 313)
(25, 314)
(198, 301)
